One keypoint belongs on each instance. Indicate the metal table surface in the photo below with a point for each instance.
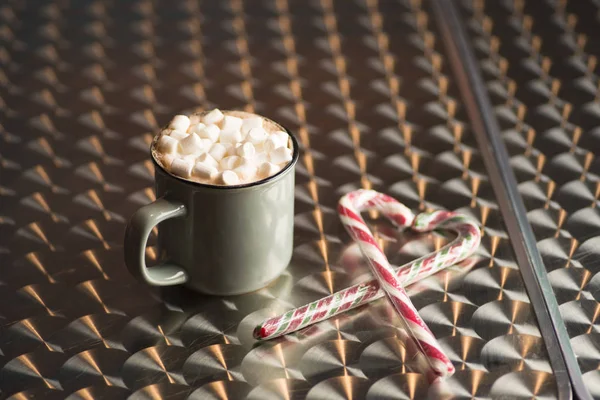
(542, 74)
(367, 88)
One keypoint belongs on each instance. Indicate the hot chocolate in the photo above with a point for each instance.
(223, 148)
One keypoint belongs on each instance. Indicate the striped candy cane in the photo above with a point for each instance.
(349, 209)
(466, 242)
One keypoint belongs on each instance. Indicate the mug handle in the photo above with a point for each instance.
(136, 238)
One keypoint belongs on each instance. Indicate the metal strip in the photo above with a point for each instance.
(495, 156)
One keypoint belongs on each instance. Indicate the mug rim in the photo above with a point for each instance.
(290, 165)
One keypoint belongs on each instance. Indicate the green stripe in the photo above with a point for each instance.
(309, 314)
(283, 327)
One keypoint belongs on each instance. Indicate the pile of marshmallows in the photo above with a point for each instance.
(223, 149)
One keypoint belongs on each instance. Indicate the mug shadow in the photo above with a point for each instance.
(186, 299)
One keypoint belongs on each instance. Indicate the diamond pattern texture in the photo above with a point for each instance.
(366, 88)
(542, 74)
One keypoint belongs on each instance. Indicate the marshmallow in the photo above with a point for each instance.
(218, 151)
(167, 145)
(260, 158)
(246, 171)
(247, 162)
(213, 117)
(210, 132)
(230, 149)
(167, 160)
(223, 149)
(206, 145)
(205, 171)
(281, 155)
(246, 150)
(192, 157)
(257, 135)
(230, 178)
(196, 128)
(178, 135)
(230, 136)
(283, 137)
(191, 144)
(272, 143)
(207, 159)
(267, 169)
(250, 123)
(230, 162)
(231, 123)
(180, 123)
(182, 167)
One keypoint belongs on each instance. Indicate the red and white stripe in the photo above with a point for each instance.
(349, 208)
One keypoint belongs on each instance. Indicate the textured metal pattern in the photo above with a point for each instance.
(542, 71)
(83, 87)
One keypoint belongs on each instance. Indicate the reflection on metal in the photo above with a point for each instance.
(367, 90)
(487, 130)
(541, 71)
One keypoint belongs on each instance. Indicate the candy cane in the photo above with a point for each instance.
(349, 209)
(466, 242)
